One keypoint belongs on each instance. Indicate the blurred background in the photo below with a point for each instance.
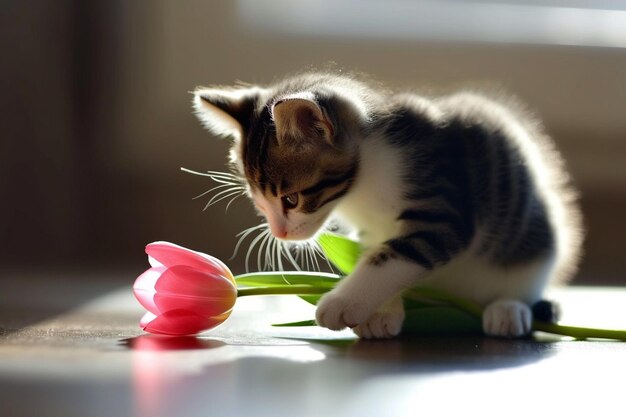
(96, 117)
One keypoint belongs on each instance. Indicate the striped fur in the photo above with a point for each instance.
(458, 185)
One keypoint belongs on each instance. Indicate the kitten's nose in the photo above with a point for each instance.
(279, 231)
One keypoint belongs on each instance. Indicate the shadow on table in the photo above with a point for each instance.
(155, 343)
(452, 352)
(463, 352)
(27, 298)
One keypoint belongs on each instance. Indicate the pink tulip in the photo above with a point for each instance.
(185, 292)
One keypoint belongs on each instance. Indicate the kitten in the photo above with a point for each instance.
(459, 193)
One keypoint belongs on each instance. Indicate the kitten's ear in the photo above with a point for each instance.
(300, 117)
(226, 112)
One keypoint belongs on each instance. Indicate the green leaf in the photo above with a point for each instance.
(311, 299)
(341, 251)
(431, 320)
(426, 319)
(440, 320)
(304, 323)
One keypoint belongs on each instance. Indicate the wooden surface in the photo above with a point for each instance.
(71, 347)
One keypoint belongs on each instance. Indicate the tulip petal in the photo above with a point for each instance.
(181, 322)
(184, 288)
(170, 254)
(144, 288)
(147, 318)
(153, 262)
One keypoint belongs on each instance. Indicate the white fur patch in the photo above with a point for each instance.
(479, 280)
(375, 200)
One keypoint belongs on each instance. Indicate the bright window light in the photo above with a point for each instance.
(582, 23)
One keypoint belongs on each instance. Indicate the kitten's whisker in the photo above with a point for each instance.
(268, 252)
(300, 257)
(227, 190)
(218, 196)
(305, 255)
(318, 250)
(269, 262)
(224, 174)
(229, 185)
(223, 195)
(215, 174)
(280, 246)
(271, 253)
(263, 237)
(279, 254)
(317, 264)
(243, 235)
(307, 258)
(252, 228)
(314, 263)
(225, 181)
(291, 259)
(231, 201)
(217, 187)
(278, 251)
(262, 247)
(253, 244)
(203, 174)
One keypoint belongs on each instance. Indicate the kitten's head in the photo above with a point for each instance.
(295, 147)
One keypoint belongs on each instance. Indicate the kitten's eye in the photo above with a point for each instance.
(290, 201)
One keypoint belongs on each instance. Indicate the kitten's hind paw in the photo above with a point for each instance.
(507, 318)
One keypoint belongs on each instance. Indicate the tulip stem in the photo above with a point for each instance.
(434, 295)
(537, 325)
(579, 332)
(283, 290)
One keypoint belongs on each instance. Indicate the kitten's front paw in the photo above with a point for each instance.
(336, 311)
(382, 325)
(507, 318)
(385, 323)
